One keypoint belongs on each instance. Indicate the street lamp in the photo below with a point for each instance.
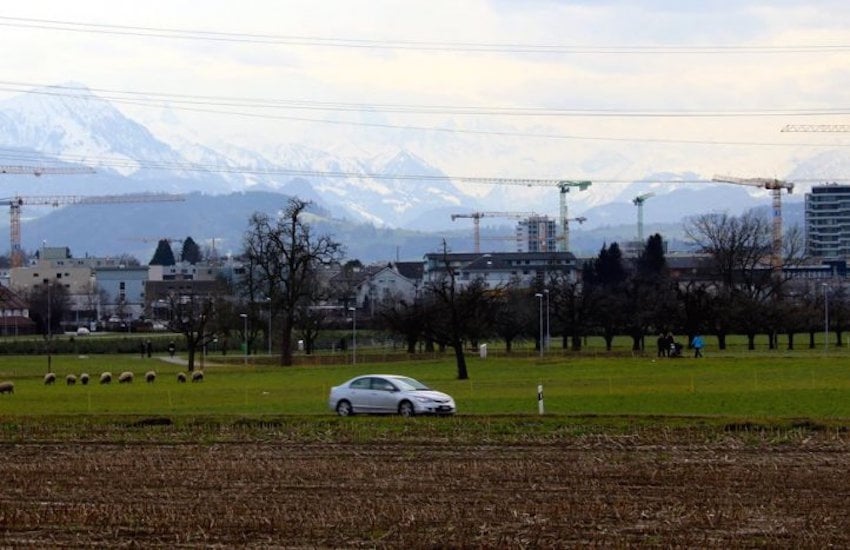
(245, 335)
(825, 318)
(540, 308)
(269, 300)
(353, 311)
(548, 332)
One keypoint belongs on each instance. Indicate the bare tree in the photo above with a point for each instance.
(455, 313)
(190, 314)
(287, 257)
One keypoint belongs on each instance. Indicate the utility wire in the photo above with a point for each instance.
(169, 99)
(446, 46)
(438, 129)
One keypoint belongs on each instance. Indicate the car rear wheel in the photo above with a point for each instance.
(343, 408)
(405, 408)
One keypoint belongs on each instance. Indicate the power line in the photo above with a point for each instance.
(170, 99)
(437, 129)
(446, 46)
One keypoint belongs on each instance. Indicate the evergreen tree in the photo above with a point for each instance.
(191, 252)
(163, 255)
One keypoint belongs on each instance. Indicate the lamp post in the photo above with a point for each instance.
(540, 309)
(548, 331)
(353, 311)
(269, 301)
(245, 335)
(825, 318)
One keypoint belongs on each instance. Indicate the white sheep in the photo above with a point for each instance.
(7, 387)
(150, 376)
(181, 377)
(70, 380)
(84, 379)
(105, 377)
(125, 377)
(49, 378)
(198, 376)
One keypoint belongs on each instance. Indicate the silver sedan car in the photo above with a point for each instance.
(388, 394)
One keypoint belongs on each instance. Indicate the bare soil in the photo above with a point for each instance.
(624, 490)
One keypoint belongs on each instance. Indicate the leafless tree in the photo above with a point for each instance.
(286, 256)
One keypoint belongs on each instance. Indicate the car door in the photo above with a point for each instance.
(384, 395)
(360, 394)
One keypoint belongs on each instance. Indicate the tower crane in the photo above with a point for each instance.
(816, 128)
(41, 170)
(564, 188)
(638, 201)
(476, 219)
(775, 187)
(15, 203)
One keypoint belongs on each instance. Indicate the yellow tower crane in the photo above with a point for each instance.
(15, 203)
(775, 187)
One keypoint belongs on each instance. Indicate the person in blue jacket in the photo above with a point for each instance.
(698, 344)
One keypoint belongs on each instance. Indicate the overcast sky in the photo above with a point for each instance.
(740, 59)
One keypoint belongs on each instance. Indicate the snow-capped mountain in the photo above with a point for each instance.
(397, 187)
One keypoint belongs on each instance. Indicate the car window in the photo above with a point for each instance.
(360, 384)
(382, 384)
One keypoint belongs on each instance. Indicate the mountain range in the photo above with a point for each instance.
(383, 206)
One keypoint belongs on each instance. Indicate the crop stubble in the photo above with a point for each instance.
(609, 490)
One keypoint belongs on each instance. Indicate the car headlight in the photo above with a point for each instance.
(423, 399)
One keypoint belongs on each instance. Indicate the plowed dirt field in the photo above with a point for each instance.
(592, 490)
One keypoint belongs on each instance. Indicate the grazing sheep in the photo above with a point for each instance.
(49, 378)
(125, 377)
(7, 387)
(84, 379)
(181, 377)
(198, 376)
(150, 376)
(70, 380)
(105, 377)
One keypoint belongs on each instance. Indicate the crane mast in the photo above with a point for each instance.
(564, 188)
(775, 187)
(638, 201)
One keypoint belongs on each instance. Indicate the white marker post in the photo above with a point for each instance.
(540, 399)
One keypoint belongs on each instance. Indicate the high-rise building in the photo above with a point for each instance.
(536, 234)
(828, 221)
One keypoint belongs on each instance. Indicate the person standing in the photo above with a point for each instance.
(698, 345)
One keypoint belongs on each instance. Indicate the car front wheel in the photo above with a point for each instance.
(405, 408)
(343, 408)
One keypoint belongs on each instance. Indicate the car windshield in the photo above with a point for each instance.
(408, 384)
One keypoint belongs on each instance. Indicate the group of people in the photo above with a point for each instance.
(669, 347)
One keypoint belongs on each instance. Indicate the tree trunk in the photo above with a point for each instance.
(286, 342)
(462, 374)
(609, 339)
(721, 340)
(791, 340)
(190, 352)
(576, 342)
(751, 341)
(838, 341)
(636, 337)
(508, 344)
(771, 340)
(811, 339)
(411, 345)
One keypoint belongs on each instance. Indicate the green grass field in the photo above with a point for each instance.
(759, 386)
